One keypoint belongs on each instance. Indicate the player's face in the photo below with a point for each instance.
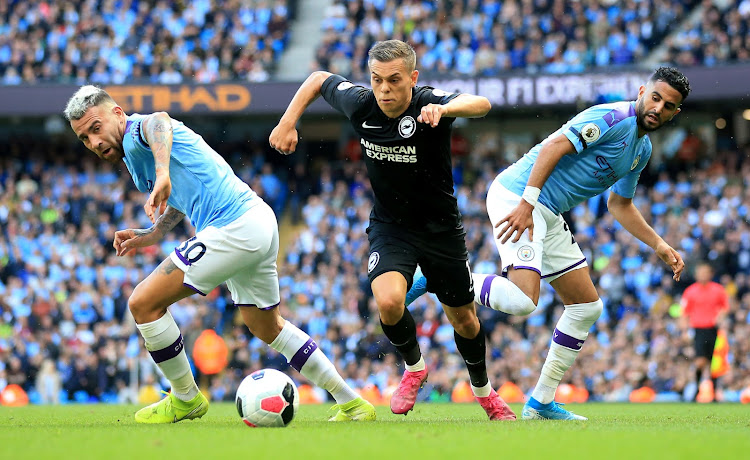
(392, 83)
(101, 130)
(657, 104)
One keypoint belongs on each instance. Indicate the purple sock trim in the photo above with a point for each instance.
(567, 341)
(303, 354)
(169, 352)
(484, 295)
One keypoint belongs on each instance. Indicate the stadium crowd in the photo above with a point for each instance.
(117, 41)
(489, 37)
(720, 37)
(66, 333)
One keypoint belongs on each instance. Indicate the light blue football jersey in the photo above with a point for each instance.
(204, 187)
(609, 154)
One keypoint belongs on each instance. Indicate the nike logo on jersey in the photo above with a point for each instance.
(366, 126)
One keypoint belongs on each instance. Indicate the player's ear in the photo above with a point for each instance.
(679, 109)
(117, 110)
(641, 91)
(414, 78)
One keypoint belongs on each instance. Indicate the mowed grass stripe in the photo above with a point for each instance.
(432, 431)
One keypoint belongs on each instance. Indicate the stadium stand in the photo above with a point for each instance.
(66, 334)
(488, 37)
(720, 37)
(112, 42)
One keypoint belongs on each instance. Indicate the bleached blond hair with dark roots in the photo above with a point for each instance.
(86, 97)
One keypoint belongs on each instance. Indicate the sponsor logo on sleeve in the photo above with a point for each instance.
(344, 85)
(591, 132)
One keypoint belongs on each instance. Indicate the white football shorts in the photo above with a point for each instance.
(553, 252)
(242, 254)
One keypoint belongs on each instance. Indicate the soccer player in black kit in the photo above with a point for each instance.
(405, 138)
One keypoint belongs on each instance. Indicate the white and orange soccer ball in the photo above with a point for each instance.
(267, 398)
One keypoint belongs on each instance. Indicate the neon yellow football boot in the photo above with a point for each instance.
(355, 410)
(171, 409)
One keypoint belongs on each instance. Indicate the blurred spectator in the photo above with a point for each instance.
(63, 296)
(488, 37)
(167, 42)
(719, 37)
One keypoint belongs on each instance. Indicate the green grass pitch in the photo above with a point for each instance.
(451, 431)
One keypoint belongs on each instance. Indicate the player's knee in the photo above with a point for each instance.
(142, 308)
(466, 325)
(586, 312)
(524, 305)
(391, 305)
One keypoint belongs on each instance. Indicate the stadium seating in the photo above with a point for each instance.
(63, 293)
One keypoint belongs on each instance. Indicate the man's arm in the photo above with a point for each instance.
(157, 129)
(125, 240)
(284, 138)
(632, 220)
(463, 105)
(520, 218)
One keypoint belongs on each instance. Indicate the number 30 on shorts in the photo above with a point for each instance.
(192, 252)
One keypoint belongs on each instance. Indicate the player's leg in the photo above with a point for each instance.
(148, 304)
(446, 265)
(391, 263)
(518, 292)
(582, 308)
(304, 355)
(255, 289)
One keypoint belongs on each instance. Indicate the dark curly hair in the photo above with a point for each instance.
(673, 78)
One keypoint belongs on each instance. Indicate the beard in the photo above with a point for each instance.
(641, 118)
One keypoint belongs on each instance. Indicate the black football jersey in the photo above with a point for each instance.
(409, 163)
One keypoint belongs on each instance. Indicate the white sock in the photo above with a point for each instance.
(499, 293)
(164, 343)
(416, 367)
(482, 392)
(567, 340)
(302, 353)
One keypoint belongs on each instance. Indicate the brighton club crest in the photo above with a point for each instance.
(407, 126)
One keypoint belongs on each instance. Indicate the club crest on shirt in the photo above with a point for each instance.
(373, 262)
(407, 126)
(635, 162)
(590, 132)
(525, 253)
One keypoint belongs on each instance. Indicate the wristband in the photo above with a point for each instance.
(531, 195)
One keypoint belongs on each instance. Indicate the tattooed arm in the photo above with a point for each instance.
(157, 129)
(125, 240)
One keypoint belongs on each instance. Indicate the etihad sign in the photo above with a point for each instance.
(183, 98)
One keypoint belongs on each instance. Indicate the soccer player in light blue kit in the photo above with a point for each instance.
(236, 242)
(603, 147)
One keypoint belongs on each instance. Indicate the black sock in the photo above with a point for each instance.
(403, 336)
(715, 381)
(474, 351)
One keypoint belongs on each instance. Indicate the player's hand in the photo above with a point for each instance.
(672, 258)
(518, 221)
(126, 240)
(431, 114)
(158, 198)
(284, 139)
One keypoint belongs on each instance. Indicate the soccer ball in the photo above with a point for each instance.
(267, 398)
